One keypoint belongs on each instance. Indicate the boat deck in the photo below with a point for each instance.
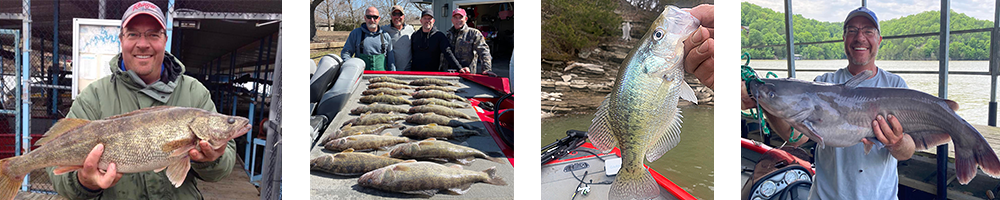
(328, 186)
(563, 180)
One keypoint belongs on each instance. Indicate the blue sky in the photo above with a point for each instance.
(836, 10)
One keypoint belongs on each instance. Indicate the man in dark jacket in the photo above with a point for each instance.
(430, 47)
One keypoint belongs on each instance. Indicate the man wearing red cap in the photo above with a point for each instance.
(143, 75)
(470, 47)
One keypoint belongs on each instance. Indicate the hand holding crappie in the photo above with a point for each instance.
(640, 116)
(130, 141)
(841, 115)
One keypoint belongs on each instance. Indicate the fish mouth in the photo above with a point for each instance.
(246, 128)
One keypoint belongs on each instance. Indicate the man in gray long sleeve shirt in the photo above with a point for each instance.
(400, 33)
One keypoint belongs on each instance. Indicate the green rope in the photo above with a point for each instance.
(747, 74)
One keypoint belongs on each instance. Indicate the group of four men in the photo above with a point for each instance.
(396, 47)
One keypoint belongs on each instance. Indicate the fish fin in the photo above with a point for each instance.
(495, 159)
(857, 79)
(456, 166)
(925, 140)
(967, 157)
(687, 93)
(400, 168)
(65, 169)
(460, 190)
(600, 131)
(348, 150)
(465, 161)
(177, 171)
(179, 147)
(144, 110)
(61, 127)
(427, 193)
(633, 184)
(868, 148)
(9, 184)
(156, 170)
(409, 161)
(430, 139)
(669, 135)
(952, 104)
(493, 180)
(386, 154)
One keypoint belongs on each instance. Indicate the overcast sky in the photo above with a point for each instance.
(836, 10)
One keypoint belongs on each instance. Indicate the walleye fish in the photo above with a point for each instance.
(349, 130)
(388, 85)
(426, 178)
(384, 98)
(149, 139)
(384, 90)
(431, 149)
(440, 102)
(364, 142)
(640, 116)
(378, 108)
(430, 81)
(350, 163)
(435, 87)
(435, 131)
(841, 115)
(437, 94)
(431, 118)
(377, 118)
(386, 79)
(441, 110)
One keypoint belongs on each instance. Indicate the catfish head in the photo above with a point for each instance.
(785, 98)
(217, 129)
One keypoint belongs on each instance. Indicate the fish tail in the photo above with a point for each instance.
(9, 181)
(981, 155)
(634, 183)
(493, 179)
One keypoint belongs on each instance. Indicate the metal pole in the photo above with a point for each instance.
(789, 39)
(55, 60)
(232, 75)
(942, 150)
(170, 24)
(994, 64)
(271, 175)
(263, 94)
(26, 84)
(101, 9)
(864, 3)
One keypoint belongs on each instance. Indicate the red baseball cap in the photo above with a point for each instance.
(143, 7)
(459, 11)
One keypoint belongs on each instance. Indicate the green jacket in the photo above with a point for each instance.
(124, 91)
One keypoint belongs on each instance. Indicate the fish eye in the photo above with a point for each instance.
(231, 120)
(658, 34)
(770, 94)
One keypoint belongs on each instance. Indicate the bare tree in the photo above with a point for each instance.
(327, 11)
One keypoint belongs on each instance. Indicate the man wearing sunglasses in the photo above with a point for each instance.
(400, 33)
(470, 47)
(850, 172)
(143, 75)
(371, 44)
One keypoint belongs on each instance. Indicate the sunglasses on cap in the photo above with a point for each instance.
(372, 17)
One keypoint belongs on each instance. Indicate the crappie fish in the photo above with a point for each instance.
(384, 90)
(364, 142)
(435, 87)
(431, 149)
(640, 116)
(388, 85)
(384, 98)
(441, 110)
(150, 139)
(437, 94)
(841, 115)
(426, 178)
(378, 108)
(350, 129)
(430, 81)
(386, 79)
(350, 163)
(439, 102)
(435, 131)
(431, 118)
(377, 118)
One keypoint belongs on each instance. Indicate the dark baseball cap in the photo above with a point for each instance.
(863, 12)
(143, 7)
(427, 12)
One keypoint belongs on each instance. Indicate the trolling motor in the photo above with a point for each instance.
(561, 147)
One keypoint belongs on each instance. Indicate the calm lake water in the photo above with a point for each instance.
(972, 92)
(690, 165)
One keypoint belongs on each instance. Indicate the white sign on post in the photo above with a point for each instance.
(95, 42)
